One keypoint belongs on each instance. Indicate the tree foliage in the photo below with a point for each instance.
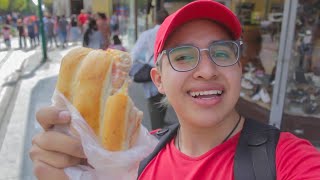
(18, 5)
(47, 2)
(4, 5)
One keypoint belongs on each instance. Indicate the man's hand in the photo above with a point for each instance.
(52, 151)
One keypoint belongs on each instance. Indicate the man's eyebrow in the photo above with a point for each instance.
(178, 45)
(220, 40)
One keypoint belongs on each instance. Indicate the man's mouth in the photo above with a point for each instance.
(205, 94)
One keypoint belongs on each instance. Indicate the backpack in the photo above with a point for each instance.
(255, 153)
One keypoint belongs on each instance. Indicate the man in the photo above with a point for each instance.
(143, 50)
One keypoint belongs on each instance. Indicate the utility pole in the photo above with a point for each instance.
(43, 37)
(135, 20)
(28, 6)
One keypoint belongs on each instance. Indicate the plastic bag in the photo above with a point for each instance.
(122, 165)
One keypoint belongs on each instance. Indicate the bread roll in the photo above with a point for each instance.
(120, 69)
(119, 135)
(68, 69)
(90, 80)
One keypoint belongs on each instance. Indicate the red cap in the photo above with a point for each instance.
(200, 9)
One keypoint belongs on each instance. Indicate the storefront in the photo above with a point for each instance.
(281, 64)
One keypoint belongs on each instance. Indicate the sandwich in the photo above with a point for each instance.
(95, 83)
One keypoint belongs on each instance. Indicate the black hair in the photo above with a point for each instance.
(116, 40)
(161, 15)
(92, 27)
(102, 15)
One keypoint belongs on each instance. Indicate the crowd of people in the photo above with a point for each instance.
(24, 27)
(93, 30)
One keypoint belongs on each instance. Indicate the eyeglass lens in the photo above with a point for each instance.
(184, 58)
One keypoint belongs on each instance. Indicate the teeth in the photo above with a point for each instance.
(211, 92)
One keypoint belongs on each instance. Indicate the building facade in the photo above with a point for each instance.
(69, 7)
(281, 64)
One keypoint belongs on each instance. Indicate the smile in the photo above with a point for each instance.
(206, 94)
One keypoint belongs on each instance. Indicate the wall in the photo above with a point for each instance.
(102, 6)
(61, 7)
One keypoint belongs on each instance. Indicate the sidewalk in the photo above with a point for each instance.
(26, 97)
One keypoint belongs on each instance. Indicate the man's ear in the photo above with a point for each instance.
(156, 78)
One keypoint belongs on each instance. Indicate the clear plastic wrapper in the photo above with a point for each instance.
(104, 164)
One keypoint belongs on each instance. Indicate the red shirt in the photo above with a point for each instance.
(82, 18)
(295, 159)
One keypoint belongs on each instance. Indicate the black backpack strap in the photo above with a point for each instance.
(164, 135)
(256, 150)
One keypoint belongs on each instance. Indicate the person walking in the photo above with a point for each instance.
(63, 31)
(196, 52)
(93, 38)
(22, 34)
(143, 50)
(37, 30)
(7, 35)
(75, 31)
(50, 32)
(114, 23)
(31, 32)
(104, 28)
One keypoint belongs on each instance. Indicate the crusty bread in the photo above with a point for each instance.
(91, 80)
(92, 87)
(117, 135)
(68, 69)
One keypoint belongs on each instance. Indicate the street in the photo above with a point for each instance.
(26, 86)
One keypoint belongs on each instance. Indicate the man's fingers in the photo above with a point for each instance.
(44, 171)
(52, 158)
(49, 116)
(56, 141)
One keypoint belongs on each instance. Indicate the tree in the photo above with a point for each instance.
(48, 4)
(18, 5)
(4, 5)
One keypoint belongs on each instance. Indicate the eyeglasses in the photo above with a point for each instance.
(187, 57)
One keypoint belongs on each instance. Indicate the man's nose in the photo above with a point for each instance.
(206, 68)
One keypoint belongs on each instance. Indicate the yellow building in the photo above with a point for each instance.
(102, 6)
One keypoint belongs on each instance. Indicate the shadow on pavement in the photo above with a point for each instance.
(40, 96)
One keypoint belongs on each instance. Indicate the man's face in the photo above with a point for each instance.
(191, 93)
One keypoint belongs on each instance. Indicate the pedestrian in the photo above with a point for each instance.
(143, 50)
(31, 27)
(63, 31)
(114, 23)
(82, 19)
(56, 27)
(75, 31)
(6, 33)
(22, 34)
(37, 30)
(104, 28)
(50, 31)
(93, 38)
(117, 44)
(197, 52)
